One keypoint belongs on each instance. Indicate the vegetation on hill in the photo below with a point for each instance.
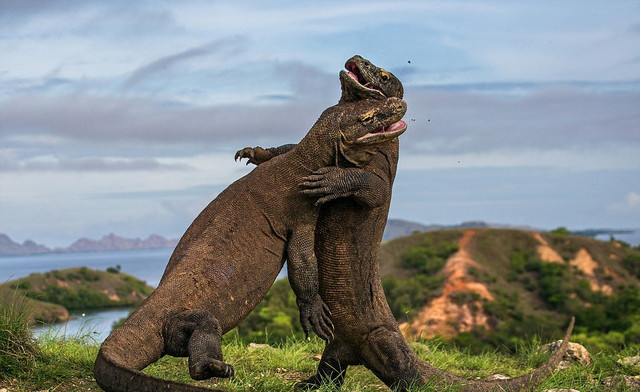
(531, 298)
(50, 295)
(275, 319)
(594, 280)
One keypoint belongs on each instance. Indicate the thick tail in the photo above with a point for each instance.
(114, 377)
(125, 352)
(435, 376)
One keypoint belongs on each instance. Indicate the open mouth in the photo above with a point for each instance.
(354, 72)
(384, 133)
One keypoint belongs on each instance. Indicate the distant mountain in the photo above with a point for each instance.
(106, 243)
(113, 242)
(10, 248)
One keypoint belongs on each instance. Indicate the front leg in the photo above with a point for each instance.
(258, 155)
(302, 269)
(329, 183)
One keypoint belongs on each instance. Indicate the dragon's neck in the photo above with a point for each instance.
(319, 147)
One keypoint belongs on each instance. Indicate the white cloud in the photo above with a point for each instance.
(631, 203)
(521, 85)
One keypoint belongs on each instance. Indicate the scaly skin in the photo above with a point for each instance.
(355, 205)
(231, 254)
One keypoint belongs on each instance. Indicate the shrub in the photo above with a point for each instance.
(113, 270)
(631, 262)
(429, 258)
(18, 350)
(72, 299)
(561, 231)
(275, 319)
(88, 275)
(405, 296)
(21, 285)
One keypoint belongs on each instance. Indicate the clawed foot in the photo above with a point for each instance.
(213, 368)
(255, 155)
(318, 315)
(327, 184)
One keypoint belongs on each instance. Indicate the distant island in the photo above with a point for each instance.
(49, 297)
(107, 243)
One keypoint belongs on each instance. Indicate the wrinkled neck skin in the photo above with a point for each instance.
(312, 151)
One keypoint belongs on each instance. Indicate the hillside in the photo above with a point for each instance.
(491, 285)
(50, 296)
(493, 289)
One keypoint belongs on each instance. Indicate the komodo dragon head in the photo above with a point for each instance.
(363, 80)
(367, 126)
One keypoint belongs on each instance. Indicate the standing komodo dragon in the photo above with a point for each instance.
(347, 239)
(231, 254)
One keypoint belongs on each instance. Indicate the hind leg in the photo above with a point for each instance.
(196, 334)
(337, 356)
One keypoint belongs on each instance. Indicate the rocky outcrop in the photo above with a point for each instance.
(576, 353)
(587, 265)
(460, 307)
(546, 252)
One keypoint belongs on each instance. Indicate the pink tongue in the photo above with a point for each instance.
(354, 76)
(395, 126)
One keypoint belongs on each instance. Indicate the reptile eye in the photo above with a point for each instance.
(367, 118)
(385, 76)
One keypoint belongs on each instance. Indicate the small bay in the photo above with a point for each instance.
(94, 325)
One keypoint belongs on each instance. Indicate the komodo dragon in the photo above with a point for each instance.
(347, 236)
(231, 254)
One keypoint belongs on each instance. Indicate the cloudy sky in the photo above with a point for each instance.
(123, 117)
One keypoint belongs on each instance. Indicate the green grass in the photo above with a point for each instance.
(55, 363)
(65, 364)
(18, 350)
